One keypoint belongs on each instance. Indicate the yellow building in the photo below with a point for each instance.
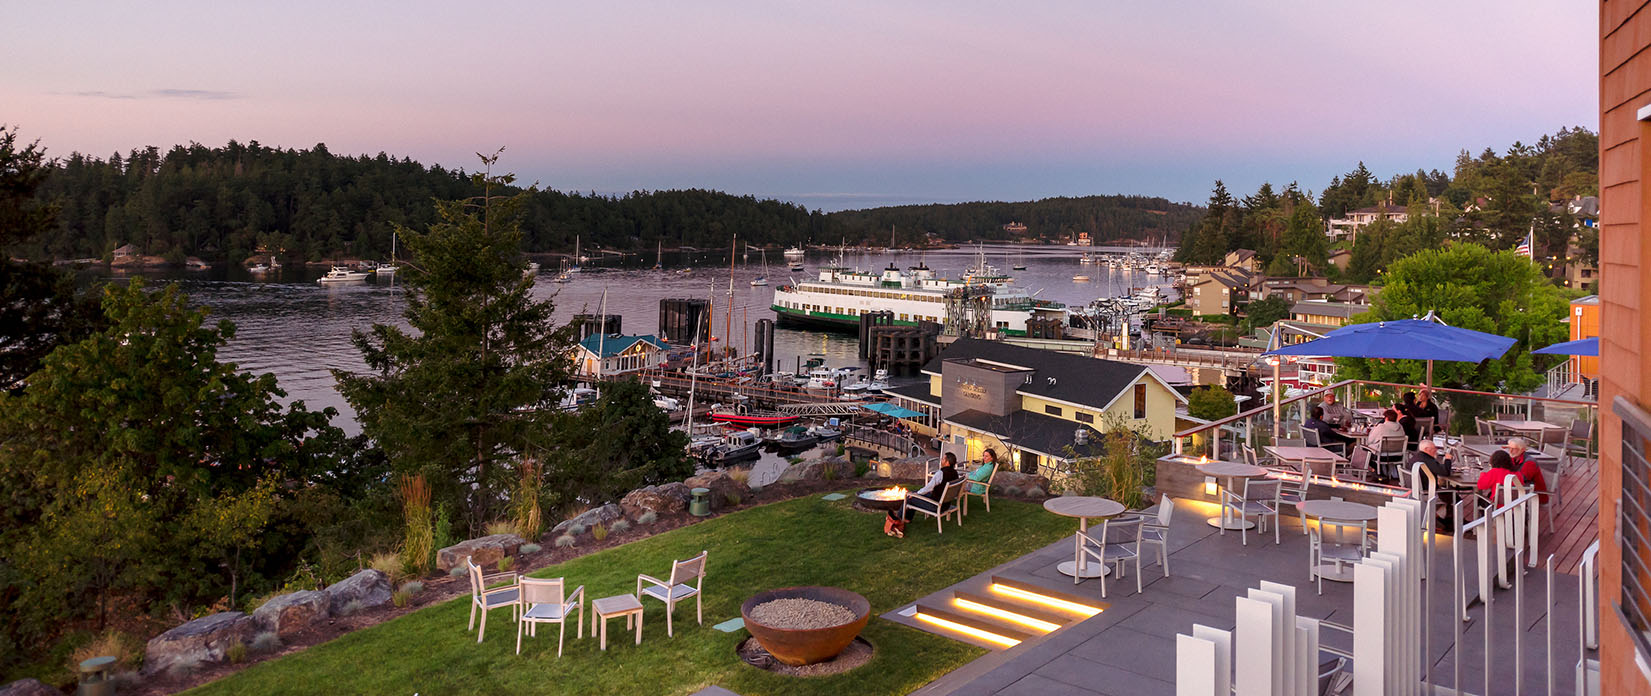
(1326, 313)
(1036, 408)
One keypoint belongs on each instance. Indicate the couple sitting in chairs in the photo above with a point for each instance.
(940, 494)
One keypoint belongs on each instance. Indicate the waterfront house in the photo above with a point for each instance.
(1036, 408)
(1242, 259)
(1326, 313)
(1356, 220)
(1218, 292)
(602, 355)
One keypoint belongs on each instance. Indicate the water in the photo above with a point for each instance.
(298, 329)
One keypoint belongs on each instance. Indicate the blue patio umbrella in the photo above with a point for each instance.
(1586, 346)
(893, 411)
(1405, 339)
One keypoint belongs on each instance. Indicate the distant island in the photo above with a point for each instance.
(245, 201)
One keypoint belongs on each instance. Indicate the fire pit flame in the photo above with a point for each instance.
(890, 493)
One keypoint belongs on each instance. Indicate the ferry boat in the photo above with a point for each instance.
(838, 296)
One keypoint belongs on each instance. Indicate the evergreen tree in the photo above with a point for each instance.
(462, 398)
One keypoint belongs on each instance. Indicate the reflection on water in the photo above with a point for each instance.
(298, 329)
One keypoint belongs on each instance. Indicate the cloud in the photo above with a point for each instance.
(168, 93)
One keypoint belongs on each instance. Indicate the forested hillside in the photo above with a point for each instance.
(227, 203)
(1105, 218)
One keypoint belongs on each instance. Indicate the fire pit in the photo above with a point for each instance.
(890, 498)
(847, 614)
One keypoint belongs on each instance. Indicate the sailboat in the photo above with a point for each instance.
(659, 256)
(577, 259)
(391, 267)
(761, 280)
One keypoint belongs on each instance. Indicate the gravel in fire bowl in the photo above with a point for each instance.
(798, 614)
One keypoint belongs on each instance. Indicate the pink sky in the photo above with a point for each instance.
(820, 102)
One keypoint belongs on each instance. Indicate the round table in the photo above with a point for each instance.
(1338, 513)
(1230, 471)
(1085, 508)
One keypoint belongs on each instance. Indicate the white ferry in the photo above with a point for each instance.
(839, 296)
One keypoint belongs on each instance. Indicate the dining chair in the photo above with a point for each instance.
(1119, 541)
(1259, 499)
(487, 594)
(545, 602)
(678, 589)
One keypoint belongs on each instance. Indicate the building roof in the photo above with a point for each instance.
(1230, 277)
(916, 391)
(1320, 308)
(614, 344)
(1388, 208)
(1029, 430)
(1074, 379)
(1241, 255)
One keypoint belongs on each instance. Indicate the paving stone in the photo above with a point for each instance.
(1034, 685)
(1104, 679)
(1133, 651)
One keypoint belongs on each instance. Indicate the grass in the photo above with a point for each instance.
(806, 541)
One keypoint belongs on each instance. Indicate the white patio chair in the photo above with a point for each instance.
(1320, 553)
(1311, 437)
(1357, 466)
(678, 589)
(1156, 533)
(1551, 475)
(939, 509)
(1579, 440)
(1119, 541)
(545, 603)
(487, 598)
(1292, 492)
(1259, 499)
(980, 489)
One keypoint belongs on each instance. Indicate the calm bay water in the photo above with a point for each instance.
(298, 329)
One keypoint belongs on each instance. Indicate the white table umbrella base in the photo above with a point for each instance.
(1090, 570)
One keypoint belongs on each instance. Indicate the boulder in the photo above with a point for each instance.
(483, 551)
(660, 500)
(205, 639)
(1020, 481)
(815, 470)
(369, 587)
(590, 518)
(721, 485)
(910, 469)
(28, 687)
(290, 613)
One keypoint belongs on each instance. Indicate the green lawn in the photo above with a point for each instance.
(806, 541)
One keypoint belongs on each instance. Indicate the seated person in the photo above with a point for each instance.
(1329, 438)
(1335, 414)
(978, 477)
(1501, 467)
(895, 525)
(1531, 474)
(1426, 408)
(1387, 428)
(1427, 454)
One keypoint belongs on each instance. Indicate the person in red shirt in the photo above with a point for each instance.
(1529, 472)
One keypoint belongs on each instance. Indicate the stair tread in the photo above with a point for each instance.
(976, 621)
(1018, 606)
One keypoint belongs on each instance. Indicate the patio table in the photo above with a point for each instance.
(1339, 514)
(1299, 454)
(1085, 508)
(1527, 428)
(1534, 455)
(1371, 413)
(625, 605)
(1229, 471)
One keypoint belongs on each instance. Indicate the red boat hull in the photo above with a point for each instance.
(761, 420)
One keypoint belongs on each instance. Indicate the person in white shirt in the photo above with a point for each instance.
(895, 525)
(1387, 428)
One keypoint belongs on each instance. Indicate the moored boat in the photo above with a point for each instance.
(340, 274)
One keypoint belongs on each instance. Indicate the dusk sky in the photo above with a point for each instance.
(839, 104)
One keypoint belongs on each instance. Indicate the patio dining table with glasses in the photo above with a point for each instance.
(1531, 429)
(1085, 508)
(1339, 514)
(1302, 454)
(1374, 414)
(1229, 471)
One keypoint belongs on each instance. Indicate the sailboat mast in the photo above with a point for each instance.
(728, 321)
(601, 337)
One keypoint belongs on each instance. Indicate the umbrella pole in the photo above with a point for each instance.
(1278, 395)
(1429, 374)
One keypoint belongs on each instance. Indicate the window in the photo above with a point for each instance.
(1085, 417)
(1140, 401)
(1633, 605)
(1052, 410)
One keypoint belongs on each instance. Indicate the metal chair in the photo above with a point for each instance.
(1551, 475)
(1291, 493)
(1320, 553)
(1311, 437)
(938, 508)
(980, 489)
(545, 603)
(678, 588)
(1259, 499)
(1120, 541)
(485, 598)
(1321, 466)
(1358, 464)
(1484, 427)
(1424, 428)
(1391, 450)
(1580, 438)
(1156, 533)
(1291, 442)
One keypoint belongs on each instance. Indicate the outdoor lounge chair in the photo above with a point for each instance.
(939, 509)
(678, 589)
(488, 598)
(1119, 541)
(1260, 499)
(545, 602)
(980, 489)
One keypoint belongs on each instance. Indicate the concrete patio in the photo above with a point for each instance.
(1129, 647)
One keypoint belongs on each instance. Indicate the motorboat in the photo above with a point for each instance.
(391, 267)
(794, 253)
(340, 274)
(667, 404)
(821, 378)
(793, 438)
(752, 418)
(1080, 278)
(825, 433)
(735, 446)
(532, 269)
(258, 268)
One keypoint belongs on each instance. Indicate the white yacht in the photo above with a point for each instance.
(838, 296)
(340, 274)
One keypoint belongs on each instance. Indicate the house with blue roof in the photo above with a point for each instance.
(602, 355)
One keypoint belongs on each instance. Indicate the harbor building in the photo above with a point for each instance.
(604, 355)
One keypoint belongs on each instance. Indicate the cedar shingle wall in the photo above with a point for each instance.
(1624, 87)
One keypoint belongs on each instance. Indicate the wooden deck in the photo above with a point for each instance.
(1576, 519)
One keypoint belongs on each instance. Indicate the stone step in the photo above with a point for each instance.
(1064, 599)
(1018, 607)
(1006, 634)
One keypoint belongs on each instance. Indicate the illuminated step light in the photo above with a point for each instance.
(970, 631)
(1006, 615)
(1046, 600)
(1209, 485)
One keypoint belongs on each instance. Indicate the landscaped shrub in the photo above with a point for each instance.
(524, 501)
(619, 526)
(564, 541)
(599, 532)
(266, 642)
(444, 530)
(413, 588)
(237, 653)
(185, 667)
(457, 571)
(400, 598)
(1010, 491)
(647, 518)
(419, 543)
(740, 476)
(352, 607)
(500, 527)
(830, 472)
(576, 529)
(127, 649)
(732, 498)
(506, 563)
(861, 468)
(390, 564)
(794, 460)
(529, 548)
(841, 448)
